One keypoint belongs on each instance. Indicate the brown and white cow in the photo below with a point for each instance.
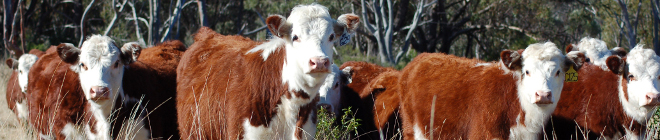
(17, 84)
(448, 97)
(73, 91)
(231, 87)
(611, 103)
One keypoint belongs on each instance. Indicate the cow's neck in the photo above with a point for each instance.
(529, 122)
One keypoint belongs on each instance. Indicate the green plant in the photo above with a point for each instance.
(329, 128)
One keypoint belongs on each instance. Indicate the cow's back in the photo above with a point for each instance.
(466, 97)
(153, 76)
(220, 85)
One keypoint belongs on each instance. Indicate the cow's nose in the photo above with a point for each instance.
(651, 99)
(319, 64)
(543, 97)
(99, 93)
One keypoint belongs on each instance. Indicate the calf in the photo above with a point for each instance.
(69, 106)
(448, 97)
(330, 92)
(230, 87)
(17, 84)
(612, 104)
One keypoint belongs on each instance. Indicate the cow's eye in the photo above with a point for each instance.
(116, 64)
(82, 65)
(20, 71)
(332, 37)
(527, 72)
(557, 73)
(295, 38)
(631, 77)
(336, 85)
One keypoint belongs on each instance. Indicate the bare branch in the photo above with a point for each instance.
(202, 13)
(255, 30)
(366, 23)
(175, 17)
(137, 25)
(82, 23)
(115, 17)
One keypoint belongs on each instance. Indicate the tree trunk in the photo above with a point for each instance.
(201, 7)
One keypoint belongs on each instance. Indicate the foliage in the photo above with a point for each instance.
(328, 128)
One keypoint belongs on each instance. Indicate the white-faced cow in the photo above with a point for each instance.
(510, 99)
(73, 91)
(612, 104)
(17, 84)
(230, 87)
(330, 92)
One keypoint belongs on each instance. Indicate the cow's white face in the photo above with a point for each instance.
(543, 70)
(330, 91)
(24, 64)
(309, 34)
(595, 49)
(640, 75)
(100, 65)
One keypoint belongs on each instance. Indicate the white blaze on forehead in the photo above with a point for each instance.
(596, 50)
(24, 64)
(644, 66)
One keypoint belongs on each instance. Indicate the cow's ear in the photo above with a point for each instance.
(130, 52)
(616, 64)
(68, 53)
(345, 27)
(511, 59)
(347, 75)
(575, 59)
(278, 26)
(570, 48)
(12, 63)
(618, 51)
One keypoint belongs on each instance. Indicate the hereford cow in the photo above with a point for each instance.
(17, 84)
(448, 97)
(612, 104)
(230, 87)
(69, 106)
(153, 78)
(357, 95)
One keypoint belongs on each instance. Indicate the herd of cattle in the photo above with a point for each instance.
(230, 87)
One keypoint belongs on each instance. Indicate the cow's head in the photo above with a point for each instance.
(24, 64)
(309, 34)
(99, 64)
(542, 67)
(330, 91)
(594, 49)
(638, 89)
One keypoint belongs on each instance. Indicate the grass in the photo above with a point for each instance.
(329, 128)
